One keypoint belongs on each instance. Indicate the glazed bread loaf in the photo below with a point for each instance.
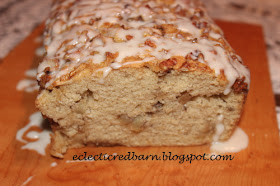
(138, 73)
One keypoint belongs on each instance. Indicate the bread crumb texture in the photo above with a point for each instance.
(139, 107)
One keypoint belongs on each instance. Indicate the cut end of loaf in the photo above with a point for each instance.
(139, 107)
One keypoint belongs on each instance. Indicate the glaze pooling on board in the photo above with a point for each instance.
(42, 138)
(88, 31)
(237, 142)
(31, 73)
(28, 85)
(219, 127)
(53, 164)
(27, 181)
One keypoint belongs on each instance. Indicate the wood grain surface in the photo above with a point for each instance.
(259, 164)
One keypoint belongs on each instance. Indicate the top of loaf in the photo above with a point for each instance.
(104, 35)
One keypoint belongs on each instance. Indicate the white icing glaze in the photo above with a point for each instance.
(39, 39)
(89, 39)
(40, 51)
(105, 71)
(43, 138)
(53, 164)
(31, 73)
(27, 85)
(219, 127)
(27, 180)
(237, 142)
(33, 135)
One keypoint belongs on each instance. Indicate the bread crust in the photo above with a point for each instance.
(138, 73)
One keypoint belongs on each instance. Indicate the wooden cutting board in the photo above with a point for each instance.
(259, 164)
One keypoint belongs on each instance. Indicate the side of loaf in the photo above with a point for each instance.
(138, 73)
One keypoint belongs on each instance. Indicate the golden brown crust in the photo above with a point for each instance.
(175, 63)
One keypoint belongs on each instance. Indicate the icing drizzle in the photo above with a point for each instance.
(109, 33)
(42, 138)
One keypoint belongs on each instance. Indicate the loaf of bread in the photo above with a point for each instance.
(138, 73)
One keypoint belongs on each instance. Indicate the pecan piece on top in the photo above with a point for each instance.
(128, 37)
(169, 28)
(168, 64)
(110, 57)
(150, 43)
(199, 12)
(240, 86)
(45, 78)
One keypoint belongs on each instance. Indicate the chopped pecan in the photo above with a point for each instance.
(91, 21)
(187, 65)
(110, 57)
(191, 65)
(136, 124)
(184, 35)
(204, 24)
(222, 77)
(200, 56)
(184, 98)
(129, 37)
(169, 28)
(94, 52)
(240, 86)
(126, 5)
(147, 6)
(45, 78)
(168, 64)
(150, 43)
(204, 35)
(200, 25)
(125, 119)
(180, 11)
(83, 32)
(164, 50)
(117, 39)
(206, 31)
(47, 70)
(178, 8)
(194, 55)
(195, 20)
(194, 40)
(198, 12)
(139, 18)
